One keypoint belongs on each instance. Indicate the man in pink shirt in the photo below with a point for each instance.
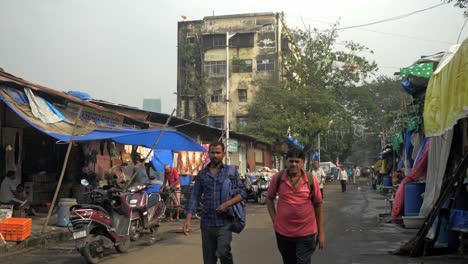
(171, 180)
(298, 220)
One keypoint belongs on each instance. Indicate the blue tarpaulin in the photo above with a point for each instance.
(295, 142)
(170, 140)
(160, 158)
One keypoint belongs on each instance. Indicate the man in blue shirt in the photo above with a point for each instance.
(215, 223)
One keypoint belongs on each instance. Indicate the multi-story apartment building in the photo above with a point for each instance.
(256, 42)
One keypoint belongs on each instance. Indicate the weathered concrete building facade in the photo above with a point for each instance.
(255, 46)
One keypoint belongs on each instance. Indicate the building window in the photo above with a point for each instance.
(259, 156)
(242, 95)
(241, 66)
(215, 67)
(217, 96)
(216, 121)
(265, 65)
(242, 40)
(214, 41)
(242, 120)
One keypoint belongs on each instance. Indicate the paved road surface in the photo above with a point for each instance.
(354, 234)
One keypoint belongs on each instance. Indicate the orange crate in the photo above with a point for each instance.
(16, 229)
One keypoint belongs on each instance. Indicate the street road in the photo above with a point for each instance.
(354, 234)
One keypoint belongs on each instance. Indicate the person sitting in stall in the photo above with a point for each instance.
(123, 174)
(9, 194)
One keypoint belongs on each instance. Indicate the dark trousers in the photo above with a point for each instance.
(296, 250)
(321, 191)
(216, 243)
(343, 186)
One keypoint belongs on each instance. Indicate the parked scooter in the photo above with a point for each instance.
(146, 210)
(101, 224)
(263, 183)
(250, 183)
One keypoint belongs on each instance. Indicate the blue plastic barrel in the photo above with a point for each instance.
(413, 199)
(446, 237)
(63, 211)
(387, 181)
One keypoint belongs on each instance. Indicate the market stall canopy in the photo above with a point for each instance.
(170, 140)
(94, 124)
(446, 99)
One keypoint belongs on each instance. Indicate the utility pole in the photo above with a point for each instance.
(228, 159)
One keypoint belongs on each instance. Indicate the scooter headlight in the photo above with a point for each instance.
(133, 202)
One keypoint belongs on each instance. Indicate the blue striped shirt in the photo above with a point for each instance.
(210, 187)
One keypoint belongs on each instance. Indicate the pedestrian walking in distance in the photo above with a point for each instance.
(298, 219)
(343, 177)
(216, 225)
(320, 175)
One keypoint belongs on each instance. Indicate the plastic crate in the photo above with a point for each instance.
(16, 229)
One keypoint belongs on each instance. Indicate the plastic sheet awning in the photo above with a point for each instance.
(446, 99)
(169, 140)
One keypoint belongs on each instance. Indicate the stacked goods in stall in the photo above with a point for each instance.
(41, 188)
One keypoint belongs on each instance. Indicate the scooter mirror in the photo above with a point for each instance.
(84, 182)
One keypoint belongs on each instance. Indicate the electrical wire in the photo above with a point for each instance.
(385, 33)
(391, 18)
(463, 27)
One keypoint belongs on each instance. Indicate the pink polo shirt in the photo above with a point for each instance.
(295, 214)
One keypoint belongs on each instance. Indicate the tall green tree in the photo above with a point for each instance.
(374, 107)
(316, 72)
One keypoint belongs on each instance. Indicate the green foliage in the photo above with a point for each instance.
(307, 97)
(323, 90)
(192, 81)
(376, 107)
(463, 4)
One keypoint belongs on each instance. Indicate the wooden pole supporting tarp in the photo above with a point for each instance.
(154, 145)
(62, 173)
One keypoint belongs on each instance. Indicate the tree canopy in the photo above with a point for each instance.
(323, 90)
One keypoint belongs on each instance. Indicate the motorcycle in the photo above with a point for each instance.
(146, 210)
(102, 223)
(262, 184)
(250, 183)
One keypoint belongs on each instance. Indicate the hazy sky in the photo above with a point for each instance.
(123, 51)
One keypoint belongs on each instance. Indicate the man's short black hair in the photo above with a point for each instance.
(215, 144)
(137, 157)
(295, 152)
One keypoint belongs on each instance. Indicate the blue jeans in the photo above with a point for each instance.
(216, 243)
(296, 250)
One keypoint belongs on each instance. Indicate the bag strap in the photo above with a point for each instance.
(278, 180)
(311, 185)
(309, 178)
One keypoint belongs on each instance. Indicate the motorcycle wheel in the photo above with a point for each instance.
(90, 254)
(123, 246)
(134, 230)
(262, 199)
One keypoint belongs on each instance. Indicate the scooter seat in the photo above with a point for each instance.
(153, 199)
(88, 206)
